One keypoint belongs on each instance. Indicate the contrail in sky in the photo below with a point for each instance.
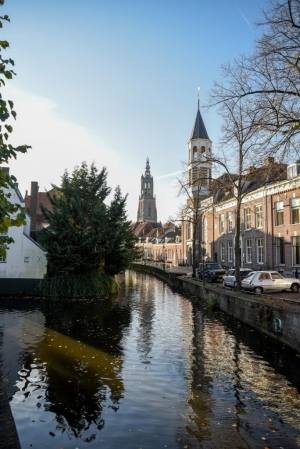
(169, 175)
(246, 20)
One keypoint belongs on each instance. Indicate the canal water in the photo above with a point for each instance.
(151, 369)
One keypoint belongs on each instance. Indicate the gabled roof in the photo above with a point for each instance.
(222, 188)
(199, 130)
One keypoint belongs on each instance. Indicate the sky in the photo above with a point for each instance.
(116, 81)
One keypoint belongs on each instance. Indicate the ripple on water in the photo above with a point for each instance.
(148, 370)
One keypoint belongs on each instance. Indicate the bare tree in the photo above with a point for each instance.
(270, 77)
(191, 187)
(242, 156)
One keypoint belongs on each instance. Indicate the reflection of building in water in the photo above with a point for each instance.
(235, 394)
(20, 330)
(146, 315)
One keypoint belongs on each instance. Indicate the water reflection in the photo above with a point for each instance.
(149, 369)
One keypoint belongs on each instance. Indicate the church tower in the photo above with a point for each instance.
(199, 158)
(147, 202)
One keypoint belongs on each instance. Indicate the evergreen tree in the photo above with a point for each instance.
(121, 243)
(86, 237)
(76, 237)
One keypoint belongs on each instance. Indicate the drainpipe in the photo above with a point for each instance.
(266, 228)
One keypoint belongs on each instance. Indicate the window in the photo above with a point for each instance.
(222, 223)
(280, 250)
(2, 258)
(195, 153)
(247, 213)
(258, 216)
(229, 222)
(189, 231)
(296, 250)
(230, 251)
(259, 250)
(222, 251)
(295, 210)
(248, 251)
(264, 276)
(279, 213)
(149, 210)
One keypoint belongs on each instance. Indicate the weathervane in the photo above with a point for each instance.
(198, 97)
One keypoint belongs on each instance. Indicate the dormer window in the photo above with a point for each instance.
(293, 170)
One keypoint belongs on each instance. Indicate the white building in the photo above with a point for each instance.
(25, 263)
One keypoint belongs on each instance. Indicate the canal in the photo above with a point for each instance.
(150, 369)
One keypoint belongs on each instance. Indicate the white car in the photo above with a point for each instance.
(229, 277)
(269, 281)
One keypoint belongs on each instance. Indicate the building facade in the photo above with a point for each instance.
(25, 263)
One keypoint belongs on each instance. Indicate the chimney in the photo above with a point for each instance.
(33, 204)
(269, 161)
(250, 169)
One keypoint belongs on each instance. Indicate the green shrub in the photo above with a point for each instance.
(88, 285)
(211, 302)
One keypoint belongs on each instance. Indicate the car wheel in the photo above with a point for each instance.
(209, 279)
(295, 288)
(257, 290)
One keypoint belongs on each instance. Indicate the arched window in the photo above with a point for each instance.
(195, 152)
(203, 149)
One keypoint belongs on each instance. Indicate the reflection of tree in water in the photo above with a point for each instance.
(146, 315)
(97, 323)
(81, 354)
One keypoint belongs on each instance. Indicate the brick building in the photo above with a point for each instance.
(33, 202)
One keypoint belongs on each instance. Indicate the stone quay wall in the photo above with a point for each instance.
(277, 319)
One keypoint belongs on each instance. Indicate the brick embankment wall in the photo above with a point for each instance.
(276, 318)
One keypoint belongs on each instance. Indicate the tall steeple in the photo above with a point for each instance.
(199, 157)
(147, 202)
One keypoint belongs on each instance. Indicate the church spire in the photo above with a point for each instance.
(147, 170)
(147, 202)
(199, 157)
(199, 130)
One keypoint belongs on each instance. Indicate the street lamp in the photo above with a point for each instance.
(164, 267)
(203, 245)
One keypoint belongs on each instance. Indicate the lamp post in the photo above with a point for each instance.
(164, 267)
(203, 245)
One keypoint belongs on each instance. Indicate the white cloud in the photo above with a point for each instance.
(56, 144)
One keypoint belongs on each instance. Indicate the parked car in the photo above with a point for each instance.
(269, 281)
(212, 271)
(229, 277)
